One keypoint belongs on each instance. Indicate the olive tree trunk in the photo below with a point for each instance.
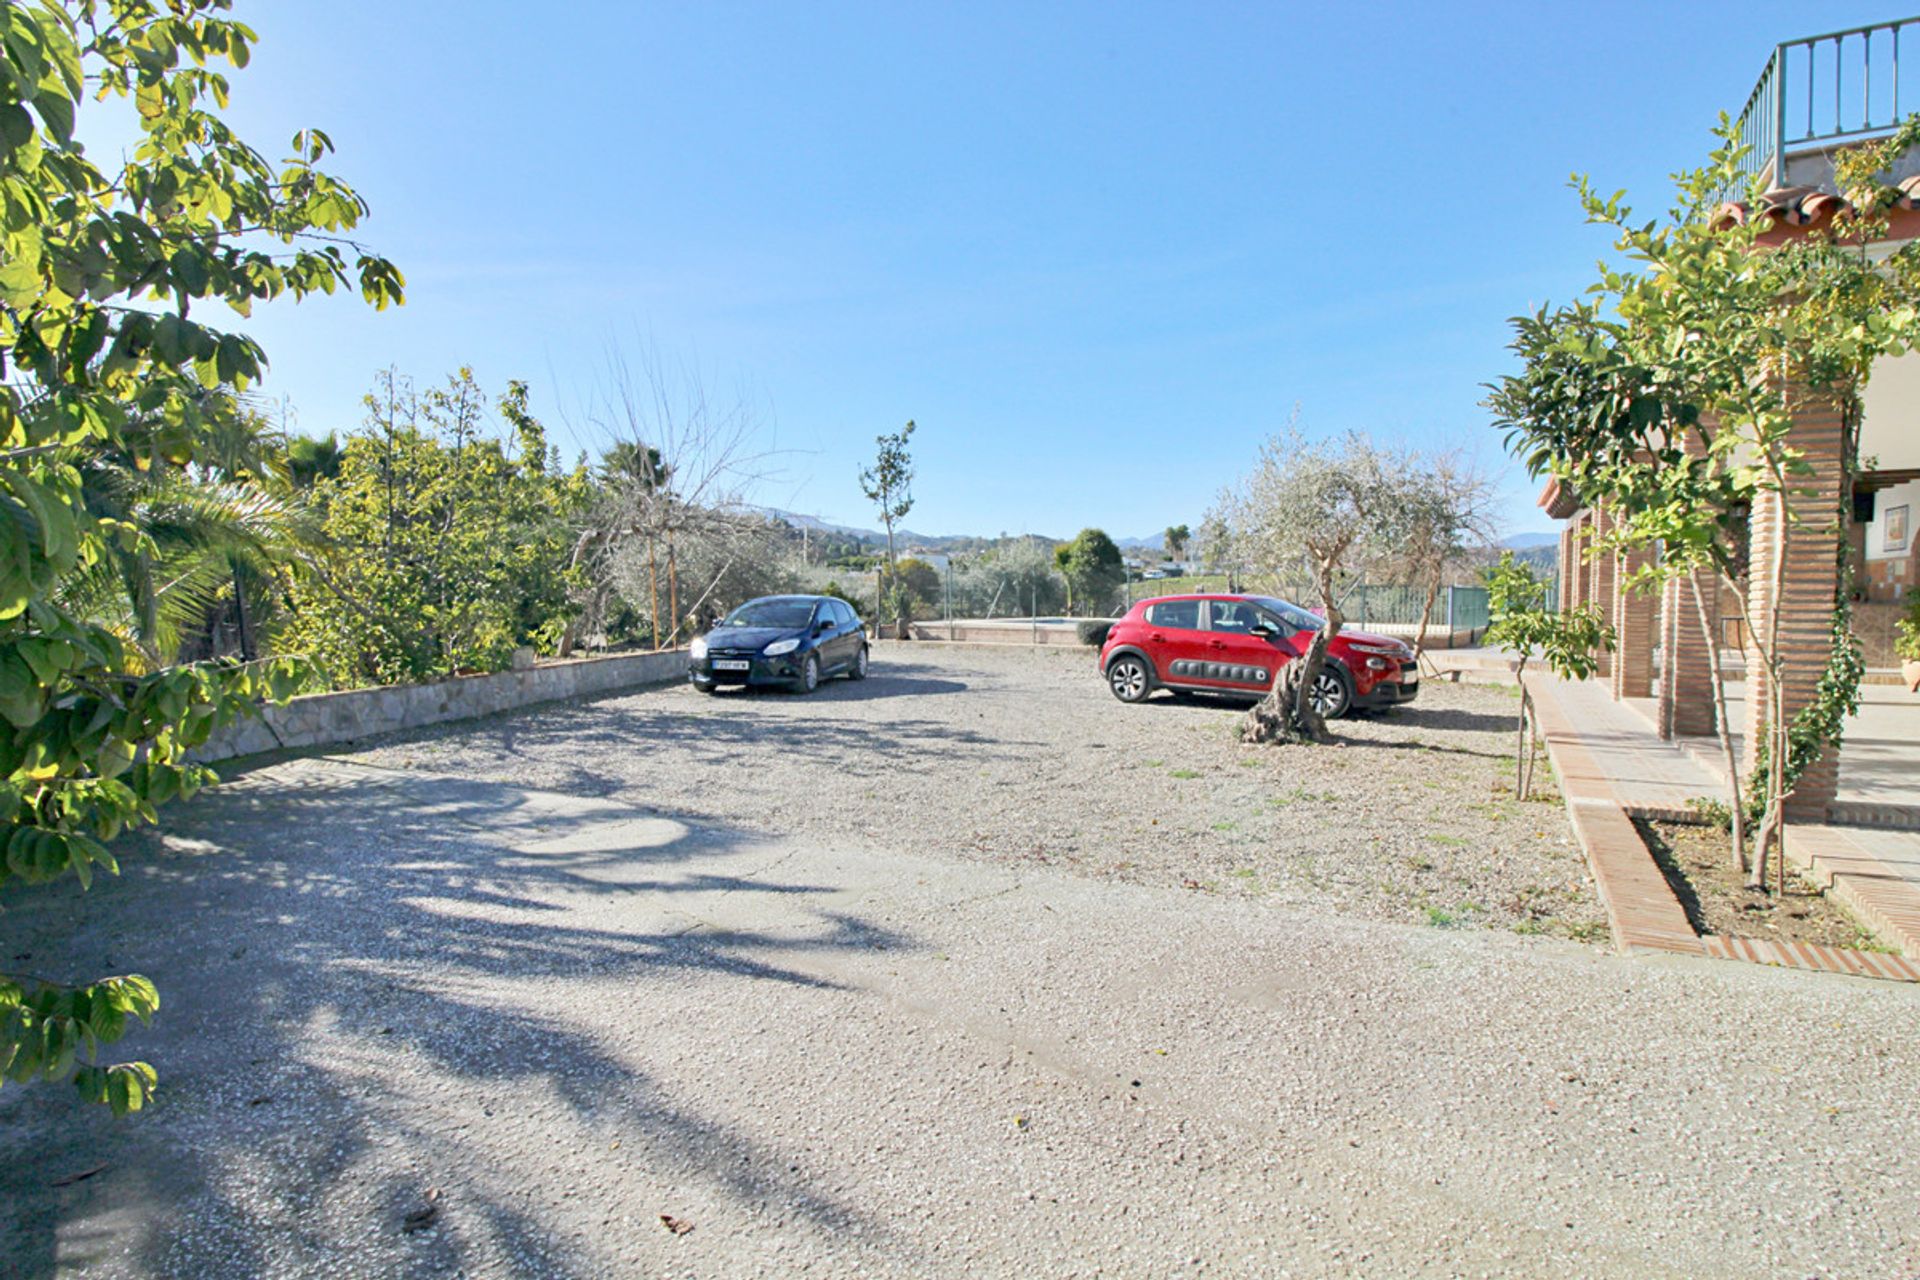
(1287, 713)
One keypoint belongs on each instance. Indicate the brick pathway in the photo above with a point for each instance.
(1592, 754)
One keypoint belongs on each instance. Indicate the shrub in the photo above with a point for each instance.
(1906, 642)
(1093, 631)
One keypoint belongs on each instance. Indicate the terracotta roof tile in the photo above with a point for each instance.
(1804, 206)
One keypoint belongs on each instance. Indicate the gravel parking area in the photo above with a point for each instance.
(420, 1023)
(1020, 757)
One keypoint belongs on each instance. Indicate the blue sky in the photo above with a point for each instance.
(1097, 252)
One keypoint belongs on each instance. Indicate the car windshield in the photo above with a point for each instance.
(1292, 614)
(771, 613)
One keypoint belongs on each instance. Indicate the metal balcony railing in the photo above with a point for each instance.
(1825, 88)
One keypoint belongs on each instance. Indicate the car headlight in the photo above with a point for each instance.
(699, 647)
(779, 647)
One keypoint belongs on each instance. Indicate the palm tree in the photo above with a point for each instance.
(200, 539)
(310, 460)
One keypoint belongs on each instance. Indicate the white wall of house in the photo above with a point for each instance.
(1890, 429)
(1887, 521)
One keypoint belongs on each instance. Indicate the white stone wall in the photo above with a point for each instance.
(1885, 502)
(328, 719)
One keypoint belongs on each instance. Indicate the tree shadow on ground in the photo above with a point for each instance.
(892, 680)
(1456, 719)
(380, 913)
(569, 737)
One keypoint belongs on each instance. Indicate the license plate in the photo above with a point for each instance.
(731, 664)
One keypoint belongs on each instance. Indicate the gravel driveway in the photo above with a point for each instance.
(421, 1021)
(1020, 757)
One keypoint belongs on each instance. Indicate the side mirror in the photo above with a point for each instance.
(822, 627)
(1264, 629)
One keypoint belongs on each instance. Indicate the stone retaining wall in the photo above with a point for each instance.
(979, 631)
(325, 719)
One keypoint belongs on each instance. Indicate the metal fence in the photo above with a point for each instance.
(1843, 84)
(1459, 608)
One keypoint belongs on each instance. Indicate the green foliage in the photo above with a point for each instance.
(1821, 723)
(111, 379)
(1093, 567)
(1713, 812)
(1906, 643)
(310, 460)
(838, 592)
(920, 580)
(1093, 631)
(1670, 397)
(446, 551)
(1522, 619)
(48, 1031)
(888, 483)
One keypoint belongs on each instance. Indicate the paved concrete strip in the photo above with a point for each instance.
(1877, 873)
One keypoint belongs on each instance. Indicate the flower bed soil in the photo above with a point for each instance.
(1699, 868)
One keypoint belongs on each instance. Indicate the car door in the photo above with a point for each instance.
(1246, 645)
(832, 633)
(846, 640)
(1174, 641)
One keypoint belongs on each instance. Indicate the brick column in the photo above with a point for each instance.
(1565, 601)
(1634, 619)
(1600, 583)
(1686, 680)
(1575, 572)
(1804, 637)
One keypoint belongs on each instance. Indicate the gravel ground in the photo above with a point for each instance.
(1021, 757)
(419, 1021)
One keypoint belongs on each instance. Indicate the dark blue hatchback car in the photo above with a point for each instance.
(791, 641)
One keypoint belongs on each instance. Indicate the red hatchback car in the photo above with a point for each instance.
(1235, 644)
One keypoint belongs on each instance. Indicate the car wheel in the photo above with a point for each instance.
(1129, 678)
(810, 673)
(1332, 695)
(859, 671)
(706, 686)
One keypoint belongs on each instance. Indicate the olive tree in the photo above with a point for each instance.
(1449, 511)
(1331, 509)
(104, 272)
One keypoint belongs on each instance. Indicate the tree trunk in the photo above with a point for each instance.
(1775, 736)
(248, 649)
(1520, 745)
(1737, 803)
(1287, 713)
(673, 594)
(653, 591)
(1426, 614)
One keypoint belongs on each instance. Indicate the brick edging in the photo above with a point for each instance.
(1641, 908)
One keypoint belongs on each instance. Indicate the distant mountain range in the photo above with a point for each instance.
(1152, 542)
